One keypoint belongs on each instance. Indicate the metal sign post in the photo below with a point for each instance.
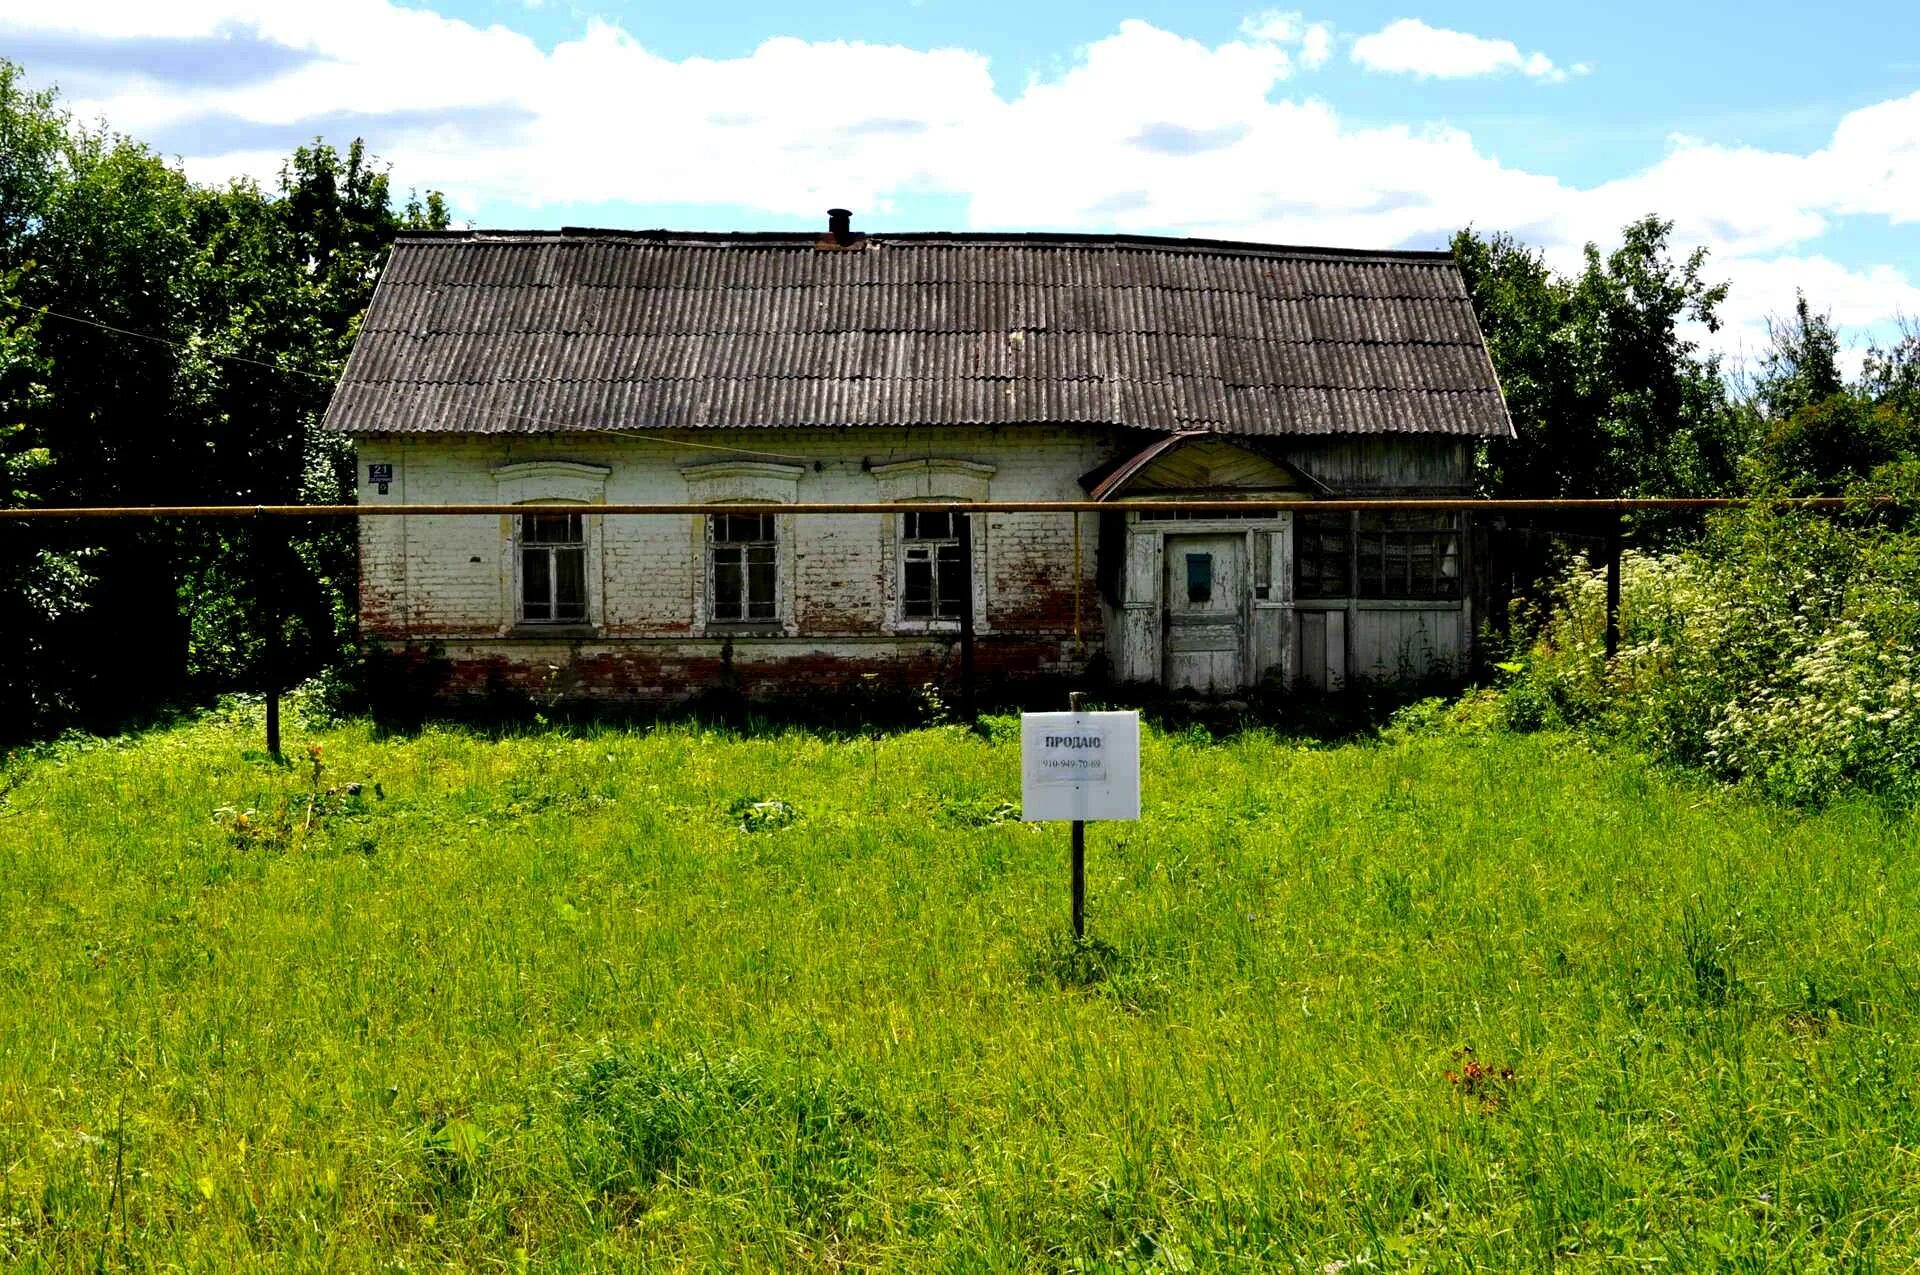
(1078, 766)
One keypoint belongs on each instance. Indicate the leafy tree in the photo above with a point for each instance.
(39, 587)
(188, 339)
(281, 281)
(1609, 395)
(1802, 363)
(1891, 374)
(1822, 448)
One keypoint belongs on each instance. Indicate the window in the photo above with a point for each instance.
(1199, 578)
(1401, 554)
(933, 575)
(1320, 555)
(1220, 515)
(1409, 554)
(553, 568)
(741, 552)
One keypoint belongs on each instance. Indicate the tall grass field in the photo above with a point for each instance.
(683, 998)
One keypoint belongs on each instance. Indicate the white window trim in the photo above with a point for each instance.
(744, 483)
(901, 622)
(550, 482)
(932, 480)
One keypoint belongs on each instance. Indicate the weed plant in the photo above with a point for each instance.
(1782, 652)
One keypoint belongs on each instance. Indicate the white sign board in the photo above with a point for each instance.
(1079, 766)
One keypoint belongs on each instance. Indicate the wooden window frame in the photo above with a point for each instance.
(768, 547)
(577, 545)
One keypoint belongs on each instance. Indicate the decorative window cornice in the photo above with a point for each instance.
(755, 480)
(933, 479)
(537, 480)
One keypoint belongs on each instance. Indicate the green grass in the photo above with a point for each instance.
(544, 1001)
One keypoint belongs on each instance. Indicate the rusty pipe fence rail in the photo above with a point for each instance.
(1622, 505)
(1613, 511)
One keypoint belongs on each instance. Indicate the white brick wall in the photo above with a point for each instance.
(449, 578)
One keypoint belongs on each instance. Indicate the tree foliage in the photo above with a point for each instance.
(182, 342)
(1610, 395)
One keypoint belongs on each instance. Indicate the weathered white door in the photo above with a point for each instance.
(1206, 590)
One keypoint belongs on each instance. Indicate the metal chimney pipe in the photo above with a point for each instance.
(840, 225)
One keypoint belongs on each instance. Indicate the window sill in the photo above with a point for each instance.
(745, 628)
(1376, 604)
(1408, 604)
(537, 630)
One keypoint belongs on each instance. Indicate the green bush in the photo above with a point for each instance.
(1783, 650)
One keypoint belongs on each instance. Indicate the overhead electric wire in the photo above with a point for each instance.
(531, 419)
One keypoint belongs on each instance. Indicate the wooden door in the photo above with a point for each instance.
(1206, 592)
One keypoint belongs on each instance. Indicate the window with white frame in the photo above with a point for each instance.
(742, 568)
(933, 574)
(553, 568)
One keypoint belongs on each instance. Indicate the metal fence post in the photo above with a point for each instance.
(1614, 535)
(967, 706)
(268, 543)
(1076, 700)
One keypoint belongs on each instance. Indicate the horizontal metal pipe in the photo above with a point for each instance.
(1624, 505)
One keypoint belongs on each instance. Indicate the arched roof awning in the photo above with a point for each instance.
(1201, 463)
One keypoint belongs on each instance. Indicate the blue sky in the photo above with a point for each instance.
(1785, 138)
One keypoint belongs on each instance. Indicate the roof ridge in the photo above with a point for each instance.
(929, 238)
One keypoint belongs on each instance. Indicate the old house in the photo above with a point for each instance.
(594, 367)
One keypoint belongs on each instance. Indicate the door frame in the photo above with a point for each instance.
(1266, 607)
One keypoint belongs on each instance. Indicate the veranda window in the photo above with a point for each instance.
(933, 575)
(1322, 547)
(1409, 554)
(553, 568)
(741, 552)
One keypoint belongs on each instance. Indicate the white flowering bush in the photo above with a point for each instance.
(1782, 651)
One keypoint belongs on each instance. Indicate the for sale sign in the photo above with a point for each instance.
(1080, 765)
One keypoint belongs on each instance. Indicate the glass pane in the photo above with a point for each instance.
(930, 526)
(1372, 551)
(1199, 577)
(1320, 556)
(1397, 564)
(536, 585)
(953, 582)
(727, 584)
(552, 529)
(760, 582)
(740, 528)
(916, 585)
(1447, 581)
(570, 584)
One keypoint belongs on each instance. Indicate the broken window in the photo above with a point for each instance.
(933, 574)
(1400, 554)
(553, 568)
(1409, 554)
(1320, 555)
(741, 556)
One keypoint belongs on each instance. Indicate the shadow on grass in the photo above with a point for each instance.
(402, 694)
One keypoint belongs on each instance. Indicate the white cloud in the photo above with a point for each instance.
(1146, 130)
(1313, 41)
(1316, 45)
(1409, 46)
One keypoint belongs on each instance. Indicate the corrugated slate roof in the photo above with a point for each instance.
(531, 332)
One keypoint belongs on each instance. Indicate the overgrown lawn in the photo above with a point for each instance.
(684, 998)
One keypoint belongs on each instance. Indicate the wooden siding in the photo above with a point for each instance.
(1384, 465)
